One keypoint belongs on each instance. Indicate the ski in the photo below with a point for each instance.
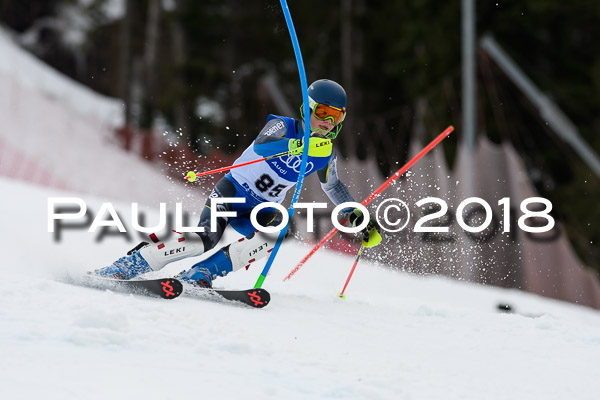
(166, 288)
(256, 298)
(170, 288)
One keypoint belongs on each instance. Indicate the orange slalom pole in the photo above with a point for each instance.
(381, 188)
(341, 294)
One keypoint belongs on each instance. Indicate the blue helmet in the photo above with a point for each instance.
(330, 93)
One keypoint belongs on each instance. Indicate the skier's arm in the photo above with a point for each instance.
(331, 184)
(338, 193)
(271, 139)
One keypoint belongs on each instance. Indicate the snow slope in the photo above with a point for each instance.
(396, 336)
(60, 133)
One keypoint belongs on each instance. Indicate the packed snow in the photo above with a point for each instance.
(395, 336)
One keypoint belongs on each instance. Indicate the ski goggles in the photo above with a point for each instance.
(324, 112)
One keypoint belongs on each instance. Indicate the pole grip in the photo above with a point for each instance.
(191, 176)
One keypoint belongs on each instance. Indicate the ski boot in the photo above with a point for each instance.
(147, 257)
(203, 273)
(128, 267)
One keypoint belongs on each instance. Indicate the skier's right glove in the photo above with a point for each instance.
(371, 235)
(317, 147)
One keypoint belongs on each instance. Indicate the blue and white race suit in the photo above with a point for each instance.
(269, 181)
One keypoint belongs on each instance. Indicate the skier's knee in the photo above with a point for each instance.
(271, 218)
(210, 239)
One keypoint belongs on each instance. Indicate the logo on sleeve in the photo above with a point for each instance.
(278, 126)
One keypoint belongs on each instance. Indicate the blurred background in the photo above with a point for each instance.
(188, 84)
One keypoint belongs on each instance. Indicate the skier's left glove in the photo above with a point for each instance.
(317, 147)
(371, 235)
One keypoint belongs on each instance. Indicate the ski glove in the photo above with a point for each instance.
(317, 147)
(371, 235)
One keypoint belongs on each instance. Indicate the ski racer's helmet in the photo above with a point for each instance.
(327, 100)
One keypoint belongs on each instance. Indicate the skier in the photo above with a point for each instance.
(257, 183)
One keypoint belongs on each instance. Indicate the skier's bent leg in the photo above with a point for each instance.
(147, 257)
(237, 255)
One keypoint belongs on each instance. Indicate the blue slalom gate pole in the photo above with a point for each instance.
(302, 172)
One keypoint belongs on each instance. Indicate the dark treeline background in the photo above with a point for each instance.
(199, 68)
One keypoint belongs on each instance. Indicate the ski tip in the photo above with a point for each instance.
(171, 288)
(258, 298)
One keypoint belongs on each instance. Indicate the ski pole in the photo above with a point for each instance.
(191, 175)
(341, 294)
(381, 188)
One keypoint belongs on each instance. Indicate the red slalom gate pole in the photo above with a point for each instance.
(360, 251)
(381, 188)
